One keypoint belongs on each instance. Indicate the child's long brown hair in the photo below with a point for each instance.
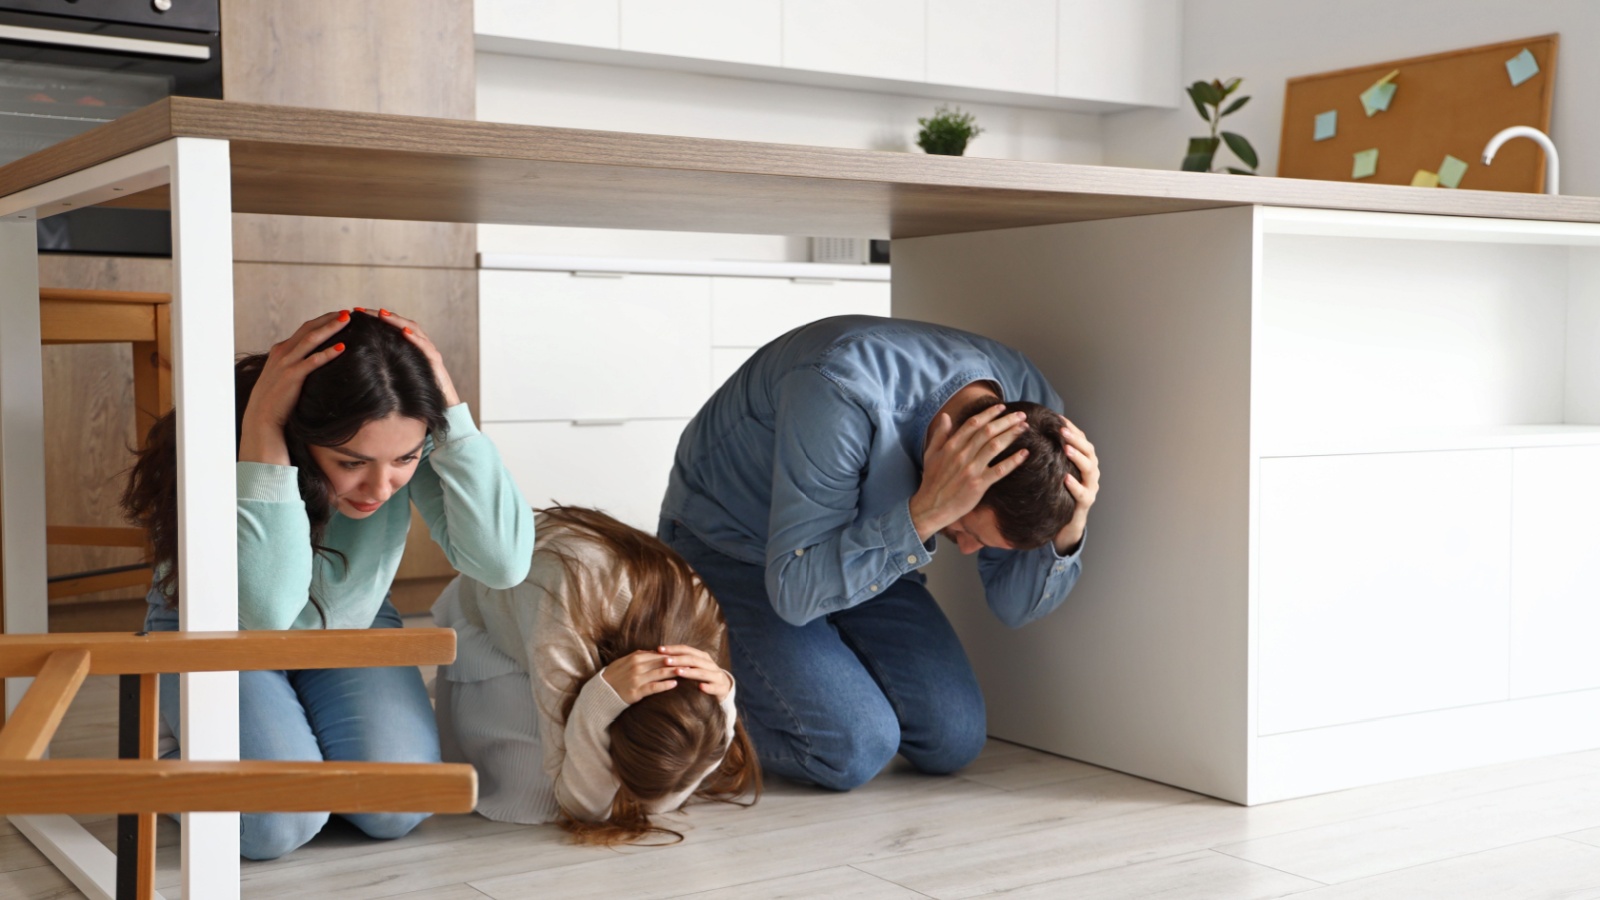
(662, 743)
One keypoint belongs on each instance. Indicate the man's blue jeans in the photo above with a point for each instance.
(345, 715)
(831, 702)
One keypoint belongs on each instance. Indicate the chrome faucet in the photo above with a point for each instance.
(1552, 163)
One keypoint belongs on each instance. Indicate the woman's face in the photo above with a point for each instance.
(366, 471)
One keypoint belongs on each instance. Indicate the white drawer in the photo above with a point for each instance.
(1385, 585)
(748, 312)
(621, 468)
(554, 345)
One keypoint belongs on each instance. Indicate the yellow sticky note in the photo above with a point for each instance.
(1365, 164)
(1424, 178)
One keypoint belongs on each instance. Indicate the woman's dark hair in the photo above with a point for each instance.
(665, 742)
(379, 374)
(1032, 504)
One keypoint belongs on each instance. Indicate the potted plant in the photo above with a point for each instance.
(1208, 97)
(947, 131)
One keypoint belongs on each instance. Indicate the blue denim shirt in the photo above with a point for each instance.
(806, 459)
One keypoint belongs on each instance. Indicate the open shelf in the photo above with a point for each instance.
(1389, 333)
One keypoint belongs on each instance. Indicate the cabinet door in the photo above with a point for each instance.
(621, 467)
(558, 21)
(559, 346)
(1555, 570)
(743, 31)
(748, 312)
(1003, 45)
(1384, 585)
(1119, 51)
(880, 39)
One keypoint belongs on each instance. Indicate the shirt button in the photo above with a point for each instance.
(1059, 567)
(874, 587)
(912, 559)
(800, 552)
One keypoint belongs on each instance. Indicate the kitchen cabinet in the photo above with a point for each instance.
(882, 39)
(739, 31)
(590, 376)
(1346, 533)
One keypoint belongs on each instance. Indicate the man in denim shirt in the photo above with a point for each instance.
(807, 493)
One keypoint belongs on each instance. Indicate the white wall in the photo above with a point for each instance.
(1269, 41)
(616, 98)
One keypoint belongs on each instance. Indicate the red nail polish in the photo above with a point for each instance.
(361, 309)
(384, 312)
(339, 347)
(344, 315)
(406, 330)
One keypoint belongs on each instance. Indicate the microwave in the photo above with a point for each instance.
(67, 66)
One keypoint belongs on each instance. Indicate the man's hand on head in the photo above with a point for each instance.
(1083, 488)
(956, 470)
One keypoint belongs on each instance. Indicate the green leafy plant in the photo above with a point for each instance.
(1208, 97)
(947, 131)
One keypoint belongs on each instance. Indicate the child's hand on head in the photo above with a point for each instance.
(638, 675)
(697, 665)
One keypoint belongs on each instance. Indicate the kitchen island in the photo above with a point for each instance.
(1348, 430)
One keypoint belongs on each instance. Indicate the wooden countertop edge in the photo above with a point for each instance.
(259, 124)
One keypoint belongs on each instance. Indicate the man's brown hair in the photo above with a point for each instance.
(1032, 504)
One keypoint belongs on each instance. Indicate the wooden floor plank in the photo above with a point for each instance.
(1550, 867)
(1191, 876)
(837, 883)
(1361, 848)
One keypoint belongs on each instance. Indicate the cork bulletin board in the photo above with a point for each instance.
(1445, 104)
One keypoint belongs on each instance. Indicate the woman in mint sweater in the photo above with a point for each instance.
(341, 428)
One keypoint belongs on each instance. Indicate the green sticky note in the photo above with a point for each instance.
(1327, 125)
(1521, 67)
(1366, 164)
(1377, 98)
(1450, 171)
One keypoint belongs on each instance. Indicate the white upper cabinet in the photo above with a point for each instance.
(882, 39)
(1002, 45)
(740, 31)
(580, 22)
(1119, 51)
(1083, 55)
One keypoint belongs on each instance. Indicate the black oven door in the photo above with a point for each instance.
(86, 63)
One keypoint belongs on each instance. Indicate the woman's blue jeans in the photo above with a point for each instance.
(345, 715)
(832, 701)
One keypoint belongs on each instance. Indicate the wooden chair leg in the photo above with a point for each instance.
(138, 730)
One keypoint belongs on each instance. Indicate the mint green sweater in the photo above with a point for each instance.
(471, 505)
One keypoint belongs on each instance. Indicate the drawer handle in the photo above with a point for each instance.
(592, 423)
(587, 274)
(813, 280)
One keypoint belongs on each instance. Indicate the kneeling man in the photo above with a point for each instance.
(807, 493)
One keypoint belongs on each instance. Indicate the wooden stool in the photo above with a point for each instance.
(112, 317)
(138, 786)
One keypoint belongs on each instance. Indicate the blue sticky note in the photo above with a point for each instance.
(1450, 171)
(1376, 99)
(1521, 67)
(1366, 164)
(1327, 125)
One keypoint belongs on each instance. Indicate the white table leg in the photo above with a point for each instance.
(202, 384)
(203, 392)
(22, 549)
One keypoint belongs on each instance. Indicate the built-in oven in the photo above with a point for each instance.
(67, 66)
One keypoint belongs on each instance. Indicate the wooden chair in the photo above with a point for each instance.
(138, 785)
(112, 317)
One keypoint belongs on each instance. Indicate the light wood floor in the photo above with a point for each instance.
(1017, 822)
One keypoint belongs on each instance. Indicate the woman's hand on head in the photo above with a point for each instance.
(697, 665)
(638, 675)
(420, 339)
(277, 391)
